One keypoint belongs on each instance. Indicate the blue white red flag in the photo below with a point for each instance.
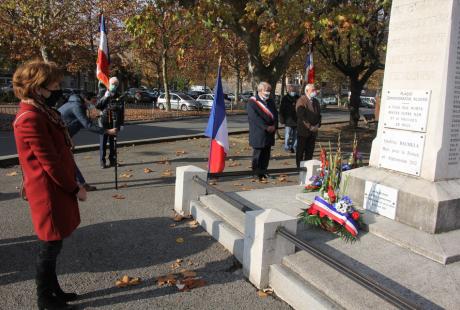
(103, 58)
(309, 69)
(217, 130)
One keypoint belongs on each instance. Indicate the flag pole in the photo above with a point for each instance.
(305, 79)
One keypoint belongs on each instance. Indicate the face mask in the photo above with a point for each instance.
(292, 94)
(53, 98)
(313, 94)
(113, 88)
(266, 95)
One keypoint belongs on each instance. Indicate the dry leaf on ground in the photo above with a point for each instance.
(179, 153)
(282, 178)
(12, 174)
(180, 240)
(262, 294)
(193, 224)
(188, 284)
(148, 170)
(126, 175)
(118, 196)
(244, 188)
(167, 173)
(127, 281)
(188, 273)
(168, 280)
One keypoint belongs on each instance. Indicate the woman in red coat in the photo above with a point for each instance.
(44, 150)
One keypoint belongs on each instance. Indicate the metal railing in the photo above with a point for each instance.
(241, 173)
(386, 294)
(374, 287)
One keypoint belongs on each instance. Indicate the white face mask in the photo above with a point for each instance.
(292, 93)
(313, 94)
(266, 95)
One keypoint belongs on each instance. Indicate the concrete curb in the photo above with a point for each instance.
(11, 160)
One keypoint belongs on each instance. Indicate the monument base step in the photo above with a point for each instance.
(433, 207)
(216, 226)
(425, 283)
(443, 248)
(297, 292)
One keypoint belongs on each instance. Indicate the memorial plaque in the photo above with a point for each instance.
(380, 199)
(407, 109)
(402, 151)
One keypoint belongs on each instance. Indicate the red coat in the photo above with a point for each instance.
(49, 174)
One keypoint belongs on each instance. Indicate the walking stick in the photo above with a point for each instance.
(116, 154)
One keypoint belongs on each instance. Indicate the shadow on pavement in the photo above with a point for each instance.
(8, 196)
(105, 247)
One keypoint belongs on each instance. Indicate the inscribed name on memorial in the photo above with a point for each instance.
(402, 151)
(407, 109)
(380, 199)
(454, 135)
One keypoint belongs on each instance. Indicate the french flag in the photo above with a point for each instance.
(309, 69)
(217, 130)
(103, 58)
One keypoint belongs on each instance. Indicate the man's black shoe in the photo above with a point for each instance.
(292, 151)
(103, 165)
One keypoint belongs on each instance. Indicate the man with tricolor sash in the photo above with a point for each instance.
(263, 122)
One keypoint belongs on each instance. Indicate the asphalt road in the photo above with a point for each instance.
(163, 129)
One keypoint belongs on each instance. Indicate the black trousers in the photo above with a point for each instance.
(260, 159)
(102, 147)
(46, 265)
(305, 148)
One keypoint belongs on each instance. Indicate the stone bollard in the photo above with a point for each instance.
(186, 189)
(312, 169)
(262, 246)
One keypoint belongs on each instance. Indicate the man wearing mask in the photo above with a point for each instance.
(111, 105)
(263, 122)
(74, 115)
(288, 117)
(308, 121)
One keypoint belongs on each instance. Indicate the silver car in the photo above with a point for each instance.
(206, 101)
(178, 101)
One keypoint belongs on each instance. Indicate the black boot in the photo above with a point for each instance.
(45, 297)
(57, 290)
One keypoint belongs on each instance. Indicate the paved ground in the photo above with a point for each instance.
(135, 235)
(164, 129)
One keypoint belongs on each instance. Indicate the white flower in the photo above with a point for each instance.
(342, 206)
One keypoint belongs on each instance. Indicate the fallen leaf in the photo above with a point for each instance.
(180, 240)
(125, 279)
(188, 273)
(148, 170)
(177, 217)
(282, 178)
(190, 283)
(193, 224)
(263, 181)
(118, 196)
(179, 153)
(120, 284)
(247, 188)
(125, 175)
(167, 173)
(12, 174)
(262, 294)
(179, 260)
(212, 182)
(268, 290)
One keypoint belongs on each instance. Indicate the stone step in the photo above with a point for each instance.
(297, 292)
(225, 210)
(227, 235)
(426, 283)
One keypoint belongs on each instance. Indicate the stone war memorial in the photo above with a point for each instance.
(413, 177)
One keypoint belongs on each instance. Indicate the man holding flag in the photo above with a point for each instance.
(217, 129)
(263, 122)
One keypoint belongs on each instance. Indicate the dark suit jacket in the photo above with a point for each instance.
(259, 137)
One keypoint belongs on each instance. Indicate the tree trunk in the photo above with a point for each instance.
(164, 65)
(237, 88)
(45, 54)
(355, 100)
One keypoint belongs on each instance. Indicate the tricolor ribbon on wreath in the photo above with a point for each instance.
(263, 107)
(326, 209)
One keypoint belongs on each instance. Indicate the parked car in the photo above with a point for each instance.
(207, 100)
(137, 96)
(327, 100)
(195, 93)
(246, 95)
(179, 101)
(367, 102)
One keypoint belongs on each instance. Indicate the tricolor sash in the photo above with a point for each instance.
(343, 219)
(263, 107)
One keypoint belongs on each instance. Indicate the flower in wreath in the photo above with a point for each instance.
(331, 194)
(355, 215)
(342, 206)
